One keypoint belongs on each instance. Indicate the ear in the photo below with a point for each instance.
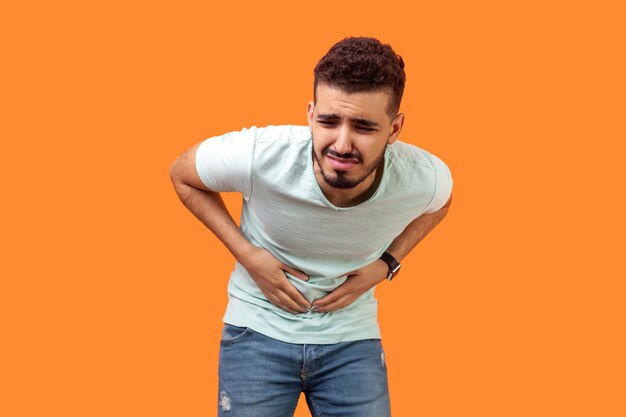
(396, 127)
(309, 113)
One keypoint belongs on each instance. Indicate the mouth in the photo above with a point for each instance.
(341, 164)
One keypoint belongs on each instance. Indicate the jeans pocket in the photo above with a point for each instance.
(231, 334)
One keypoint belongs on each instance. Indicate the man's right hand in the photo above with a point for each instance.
(208, 206)
(269, 274)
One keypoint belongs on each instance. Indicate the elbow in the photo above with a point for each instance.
(176, 176)
(175, 170)
(172, 170)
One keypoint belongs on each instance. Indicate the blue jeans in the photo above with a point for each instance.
(263, 377)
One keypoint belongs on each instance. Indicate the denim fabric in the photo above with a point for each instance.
(263, 377)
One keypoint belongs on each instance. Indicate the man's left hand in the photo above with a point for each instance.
(357, 283)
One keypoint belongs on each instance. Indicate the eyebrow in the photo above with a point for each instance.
(359, 120)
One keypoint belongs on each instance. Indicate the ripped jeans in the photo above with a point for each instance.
(263, 377)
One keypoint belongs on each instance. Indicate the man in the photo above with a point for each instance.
(329, 211)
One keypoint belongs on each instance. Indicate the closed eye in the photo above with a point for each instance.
(333, 123)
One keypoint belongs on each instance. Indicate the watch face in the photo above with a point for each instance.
(393, 273)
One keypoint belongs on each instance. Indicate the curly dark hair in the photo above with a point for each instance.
(360, 64)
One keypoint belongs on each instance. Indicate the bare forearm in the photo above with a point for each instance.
(415, 232)
(209, 208)
(267, 272)
(361, 280)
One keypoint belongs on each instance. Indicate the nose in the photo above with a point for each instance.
(343, 143)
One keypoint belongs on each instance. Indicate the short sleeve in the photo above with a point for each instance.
(443, 185)
(224, 163)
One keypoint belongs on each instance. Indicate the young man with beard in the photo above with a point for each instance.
(329, 211)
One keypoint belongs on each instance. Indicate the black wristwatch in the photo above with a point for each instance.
(394, 266)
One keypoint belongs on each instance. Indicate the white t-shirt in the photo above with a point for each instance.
(285, 212)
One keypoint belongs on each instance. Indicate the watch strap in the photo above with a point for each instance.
(394, 265)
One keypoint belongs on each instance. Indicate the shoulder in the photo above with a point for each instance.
(418, 171)
(288, 141)
(406, 155)
(268, 133)
(282, 133)
(281, 158)
(256, 141)
(414, 168)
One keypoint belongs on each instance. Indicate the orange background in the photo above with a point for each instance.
(112, 293)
